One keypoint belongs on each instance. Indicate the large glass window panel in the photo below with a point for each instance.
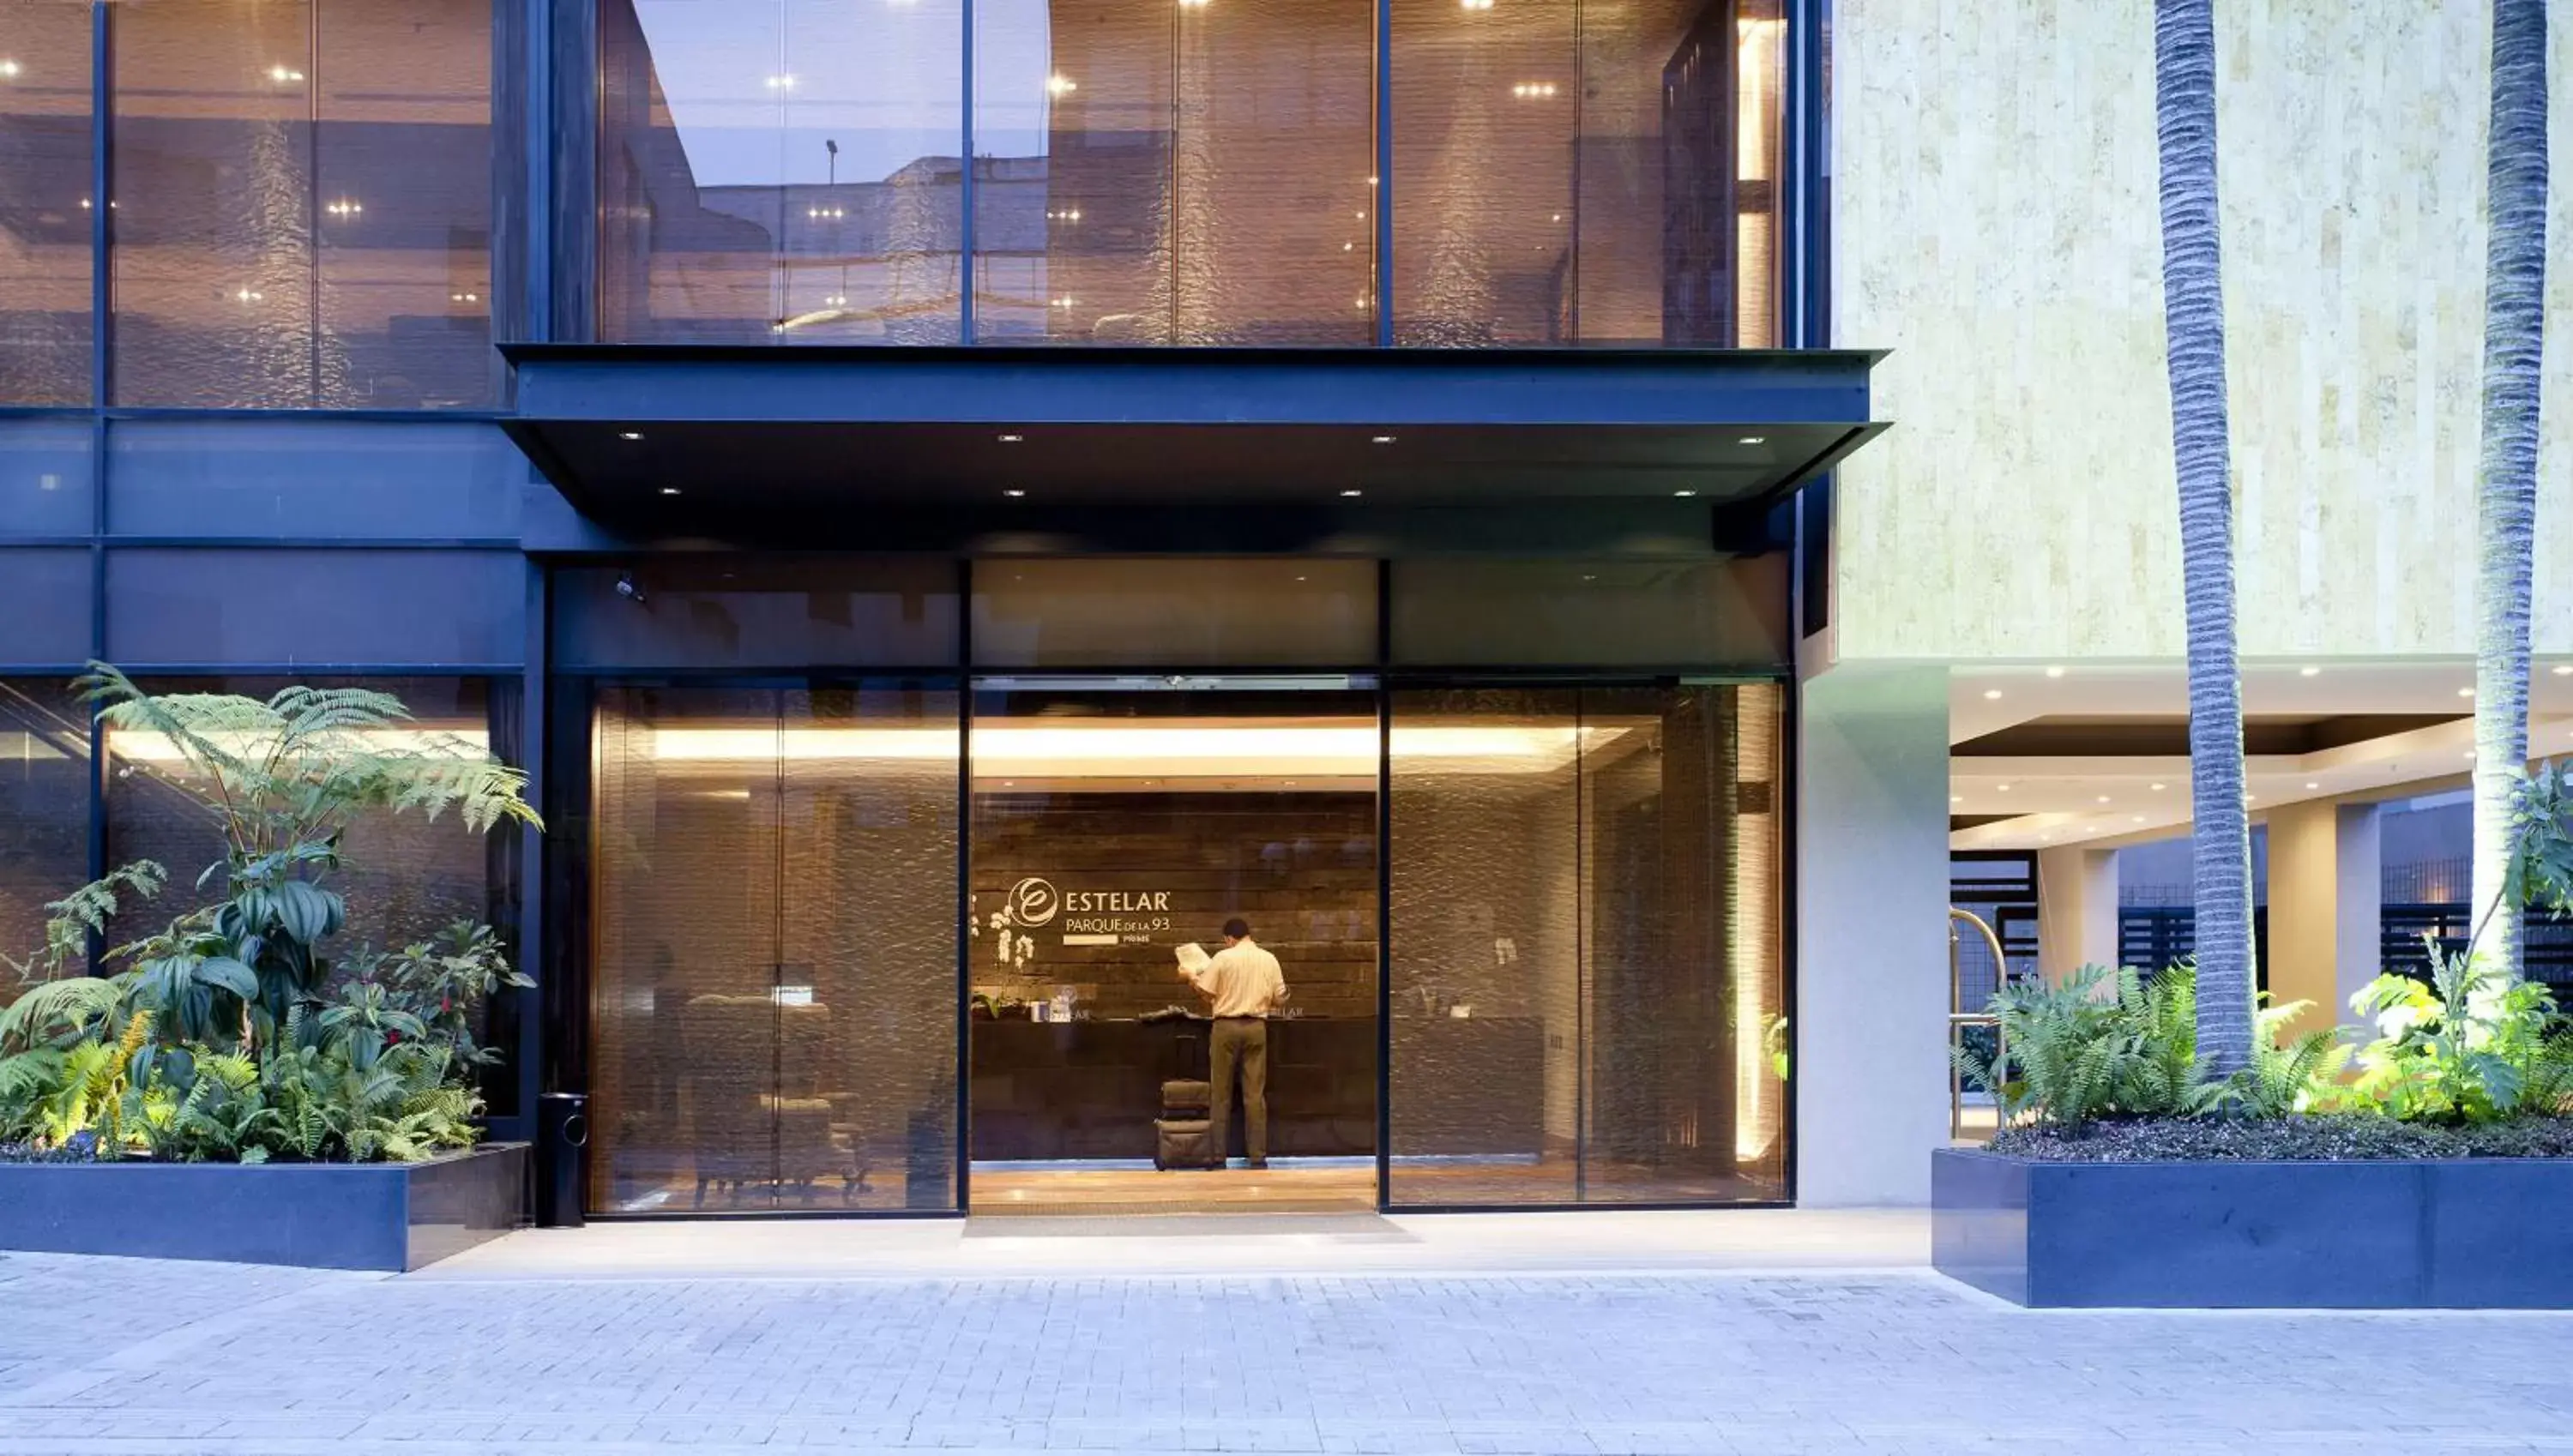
(722, 611)
(1592, 173)
(413, 607)
(1485, 947)
(403, 165)
(44, 808)
(1585, 958)
(1159, 173)
(311, 477)
(1720, 612)
(45, 598)
(781, 171)
(1683, 982)
(773, 949)
(1174, 612)
(45, 488)
(45, 201)
(303, 203)
(404, 874)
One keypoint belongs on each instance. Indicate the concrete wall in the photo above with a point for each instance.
(1995, 225)
(1871, 1068)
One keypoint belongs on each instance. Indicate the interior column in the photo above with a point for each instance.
(2077, 910)
(2324, 899)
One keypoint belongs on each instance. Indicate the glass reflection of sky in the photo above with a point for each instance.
(755, 89)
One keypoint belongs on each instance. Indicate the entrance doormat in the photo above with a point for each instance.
(1162, 1222)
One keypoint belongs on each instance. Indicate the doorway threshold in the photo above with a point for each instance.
(1104, 1190)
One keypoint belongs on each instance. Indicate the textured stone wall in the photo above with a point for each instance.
(1995, 225)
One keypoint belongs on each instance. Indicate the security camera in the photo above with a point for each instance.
(626, 588)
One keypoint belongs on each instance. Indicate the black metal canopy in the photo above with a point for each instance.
(663, 435)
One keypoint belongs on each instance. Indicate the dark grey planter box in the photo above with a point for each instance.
(376, 1216)
(2444, 1233)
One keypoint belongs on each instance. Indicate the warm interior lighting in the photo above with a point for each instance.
(8, 69)
(669, 489)
(2054, 672)
(1179, 750)
(2310, 673)
(1992, 694)
(145, 746)
(1062, 85)
(629, 435)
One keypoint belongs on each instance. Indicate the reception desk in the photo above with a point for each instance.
(1051, 1091)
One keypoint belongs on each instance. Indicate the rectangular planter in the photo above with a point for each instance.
(376, 1216)
(2440, 1233)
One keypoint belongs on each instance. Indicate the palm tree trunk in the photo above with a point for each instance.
(2194, 315)
(2506, 484)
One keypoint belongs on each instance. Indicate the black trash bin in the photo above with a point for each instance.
(563, 1141)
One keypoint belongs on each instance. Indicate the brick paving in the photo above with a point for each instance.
(118, 1355)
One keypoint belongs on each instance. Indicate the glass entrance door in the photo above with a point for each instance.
(773, 948)
(1116, 824)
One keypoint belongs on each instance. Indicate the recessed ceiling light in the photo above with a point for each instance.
(2139, 818)
(2248, 796)
(2054, 672)
(1352, 494)
(2004, 788)
(1754, 439)
(629, 435)
(2103, 797)
(1011, 439)
(1992, 694)
(2564, 669)
(1014, 492)
(2309, 785)
(1956, 798)
(2465, 692)
(1684, 494)
(2310, 673)
(2157, 788)
(669, 489)
(1380, 439)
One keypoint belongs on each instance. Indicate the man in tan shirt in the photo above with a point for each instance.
(1246, 985)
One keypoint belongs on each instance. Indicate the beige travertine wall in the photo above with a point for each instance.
(1994, 225)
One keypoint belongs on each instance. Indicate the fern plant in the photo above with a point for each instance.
(2112, 1044)
(283, 779)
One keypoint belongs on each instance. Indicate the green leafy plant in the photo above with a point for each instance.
(230, 1032)
(283, 780)
(2113, 1044)
(2469, 1047)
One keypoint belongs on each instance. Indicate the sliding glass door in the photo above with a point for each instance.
(773, 948)
(1586, 974)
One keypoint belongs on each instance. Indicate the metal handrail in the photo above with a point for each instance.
(1959, 1016)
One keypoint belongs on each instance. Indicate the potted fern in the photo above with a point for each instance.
(2402, 1168)
(239, 1033)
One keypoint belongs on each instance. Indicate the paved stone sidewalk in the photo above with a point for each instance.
(112, 1355)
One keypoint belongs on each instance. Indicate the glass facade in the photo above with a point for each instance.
(1538, 930)
(303, 203)
(1192, 174)
(773, 880)
(44, 808)
(46, 164)
(252, 255)
(784, 170)
(1586, 945)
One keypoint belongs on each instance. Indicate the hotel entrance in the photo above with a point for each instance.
(1120, 826)
(948, 932)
